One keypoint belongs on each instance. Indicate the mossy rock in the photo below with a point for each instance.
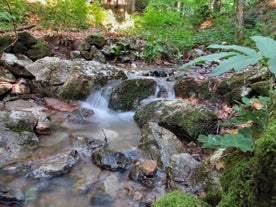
(185, 120)
(27, 39)
(96, 40)
(5, 42)
(127, 95)
(261, 87)
(250, 180)
(180, 199)
(38, 51)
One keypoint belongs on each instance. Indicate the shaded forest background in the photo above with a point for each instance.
(166, 25)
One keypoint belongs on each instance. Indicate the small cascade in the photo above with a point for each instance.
(164, 89)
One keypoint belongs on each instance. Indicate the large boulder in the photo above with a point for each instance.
(84, 76)
(159, 144)
(128, 95)
(186, 120)
(49, 73)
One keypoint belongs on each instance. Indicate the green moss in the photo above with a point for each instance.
(261, 88)
(238, 182)
(127, 95)
(265, 175)
(20, 127)
(39, 50)
(143, 115)
(5, 42)
(249, 181)
(180, 199)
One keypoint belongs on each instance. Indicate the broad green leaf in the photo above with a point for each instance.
(241, 49)
(246, 132)
(266, 45)
(212, 141)
(237, 63)
(238, 141)
(272, 65)
(211, 57)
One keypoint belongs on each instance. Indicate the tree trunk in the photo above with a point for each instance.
(239, 9)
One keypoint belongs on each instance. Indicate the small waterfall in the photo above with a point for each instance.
(164, 89)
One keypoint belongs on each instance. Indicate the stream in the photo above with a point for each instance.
(86, 184)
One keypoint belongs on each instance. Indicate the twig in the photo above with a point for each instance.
(19, 28)
(105, 138)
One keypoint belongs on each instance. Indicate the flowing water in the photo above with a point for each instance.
(122, 134)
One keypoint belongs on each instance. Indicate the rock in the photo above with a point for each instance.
(111, 160)
(184, 174)
(102, 200)
(43, 123)
(127, 95)
(145, 173)
(50, 70)
(96, 40)
(5, 87)
(158, 73)
(95, 145)
(17, 64)
(111, 185)
(75, 54)
(84, 76)
(159, 143)
(55, 165)
(186, 120)
(59, 105)
(38, 51)
(27, 45)
(10, 196)
(21, 87)
(6, 75)
(149, 167)
(17, 137)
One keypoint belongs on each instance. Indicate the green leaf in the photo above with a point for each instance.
(212, 141)
(266, 45)
(237, 63)
(246, 132)
(244, 50)
(238, 141)
(211, 57)
(272, 65)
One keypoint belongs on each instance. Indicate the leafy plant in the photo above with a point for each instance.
(252, 120)
(242, 56)
(152, 50)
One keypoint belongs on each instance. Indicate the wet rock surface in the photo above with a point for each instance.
(56, 165)
(9, 196)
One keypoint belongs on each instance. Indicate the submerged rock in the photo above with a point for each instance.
(111, 160)
(9, 196)
(55, 165)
